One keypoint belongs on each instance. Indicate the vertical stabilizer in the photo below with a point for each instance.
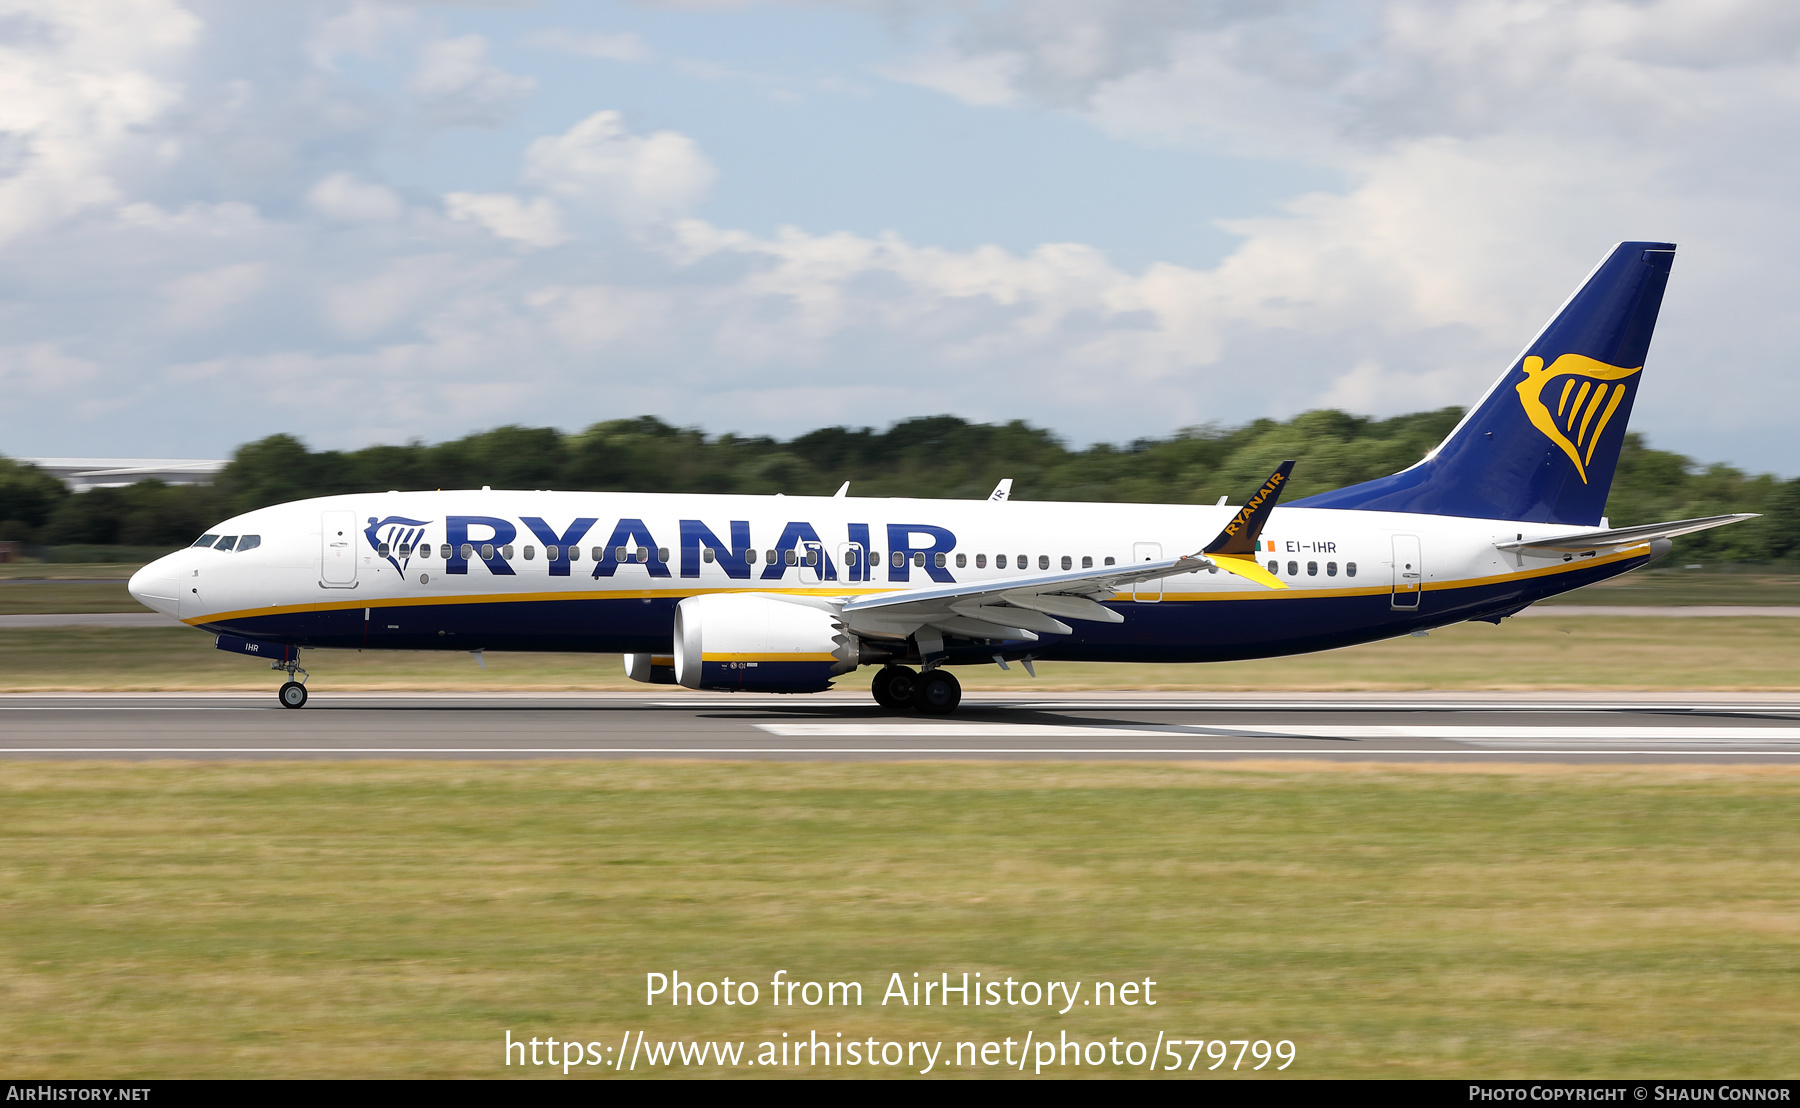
(1542, 445)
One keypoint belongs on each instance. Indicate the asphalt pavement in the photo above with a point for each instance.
(674, 723)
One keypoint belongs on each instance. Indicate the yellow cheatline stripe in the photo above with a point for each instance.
(1431, 586)
(767, 658)
(1123, 597)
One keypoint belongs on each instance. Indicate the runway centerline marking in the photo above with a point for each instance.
(1670, 733)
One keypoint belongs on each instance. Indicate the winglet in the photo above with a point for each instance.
(1240, 535)
(1002, 491)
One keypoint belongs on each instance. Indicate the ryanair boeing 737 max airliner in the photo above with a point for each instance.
(783, 593)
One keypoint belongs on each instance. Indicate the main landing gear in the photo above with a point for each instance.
(293, 693)
(935, 692)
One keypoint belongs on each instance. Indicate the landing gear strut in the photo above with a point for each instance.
(293, 693)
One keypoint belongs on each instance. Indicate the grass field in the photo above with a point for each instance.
(391, 920)
(1577, 652)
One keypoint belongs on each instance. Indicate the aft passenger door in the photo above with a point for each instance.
(1409, 573)
(337, 550)
(1147, 592)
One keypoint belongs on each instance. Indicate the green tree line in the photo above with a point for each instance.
(936, 456)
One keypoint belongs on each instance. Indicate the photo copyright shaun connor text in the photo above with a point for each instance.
(1031, 1050)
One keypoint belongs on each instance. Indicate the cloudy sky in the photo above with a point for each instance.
(367, 222)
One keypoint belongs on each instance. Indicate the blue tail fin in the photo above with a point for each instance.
(1542, 445)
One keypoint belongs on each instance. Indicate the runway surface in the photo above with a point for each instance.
(1456, 728)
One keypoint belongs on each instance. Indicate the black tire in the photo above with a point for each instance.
(937, 693)
(292, 695)
(893, 687)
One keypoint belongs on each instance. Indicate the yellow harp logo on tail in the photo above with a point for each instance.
(1591, 392)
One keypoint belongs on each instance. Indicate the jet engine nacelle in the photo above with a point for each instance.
(745, 642)
(652, 669)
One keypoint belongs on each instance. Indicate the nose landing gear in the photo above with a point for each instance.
(293, 693)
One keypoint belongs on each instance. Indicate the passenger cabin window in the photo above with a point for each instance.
(206, 540)
(1109, 560)
(507, 552)
(226, 543)
(1043, 561)
(405, 551)
(249, 542)
(444, 551)
(1293, 569)
(750, 556)
(1312, 569)
(812, 557)
(788, 557)
(1087, 561)
(1274, 567)
(530, 552)
(774, 556)
(962, 560)
(919, 558)
(487, 551)
(1331, 569)
(598, 552)
(1349, 569)
(981, 561)
(1068, 562)
(706, 554)
(551, 553)
(1024, 561)
(575, 554)
(468, 551)
(383, 550)
(938, 559)
(999, 561)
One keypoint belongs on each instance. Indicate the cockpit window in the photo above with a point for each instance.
(226, 543)
(249, 542)
(206, 540)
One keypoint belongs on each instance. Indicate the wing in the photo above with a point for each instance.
(1024, 608)
(1021, 608)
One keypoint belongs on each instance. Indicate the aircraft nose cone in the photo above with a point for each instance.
(154, 587)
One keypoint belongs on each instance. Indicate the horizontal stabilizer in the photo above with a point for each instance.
(1240, 535)
(1621, 536)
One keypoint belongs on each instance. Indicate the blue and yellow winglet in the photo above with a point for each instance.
(1234, 551)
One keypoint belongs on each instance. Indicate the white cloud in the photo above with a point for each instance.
(79, 83)
(599, 164)
(614, 46)
(203, 299)
(535, 222)
(343, 198)
(42, 369)
(456, 84)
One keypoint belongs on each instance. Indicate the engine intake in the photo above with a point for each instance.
(744, 642)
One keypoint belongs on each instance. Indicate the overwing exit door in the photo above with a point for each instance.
(1409, 572)
(1146, 592)
(337, 550)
